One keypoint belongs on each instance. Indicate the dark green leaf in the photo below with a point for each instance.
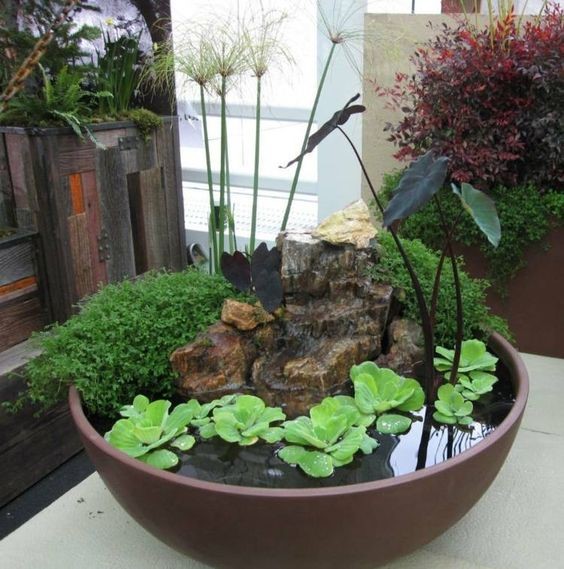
(421, 181)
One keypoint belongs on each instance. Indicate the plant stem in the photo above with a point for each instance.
(459, 307)
(222, 172)
(214, 257)
(423, 310)
(306, 137)
(256, 177)
(229, 212)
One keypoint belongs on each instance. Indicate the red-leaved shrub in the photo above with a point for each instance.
(489, 99)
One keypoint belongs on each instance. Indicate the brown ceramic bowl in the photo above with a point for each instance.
(355, 527)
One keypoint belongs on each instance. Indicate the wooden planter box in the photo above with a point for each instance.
(101, 215)
(534, 304)
(21, 306)
(31, 447)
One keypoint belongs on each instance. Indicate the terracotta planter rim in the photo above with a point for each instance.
(499, 344)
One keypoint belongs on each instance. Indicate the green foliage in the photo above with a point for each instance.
(61, 101)
(120, 343)
(473, 381)
(328, 438)
(146, 121)
(118, 71)
(473, 356)
(377, 390)
(451, 407)
(246, 420)
(148, 426)
(478, 322)
(525, 214)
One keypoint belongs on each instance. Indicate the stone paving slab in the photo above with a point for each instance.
(518, 524)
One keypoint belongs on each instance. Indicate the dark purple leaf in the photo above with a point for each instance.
(338, 119)
(263, 259)
(237, 270)
(268, 288)
(421, 181)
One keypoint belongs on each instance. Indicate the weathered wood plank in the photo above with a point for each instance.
(18, 148)
(13, 359)
(75, 155)
(7, 205)
(168, 156)
(20, 317)
(76, 193)
(19, 288)
(116, 220)
(149, 211)
(92, 208)
(80, 250)
(53, 205)
(16, 262)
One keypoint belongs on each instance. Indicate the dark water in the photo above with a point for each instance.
(218, 461)
(258, 465)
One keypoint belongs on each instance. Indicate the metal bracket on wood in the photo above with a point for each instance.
(103, 246)
(128, 142)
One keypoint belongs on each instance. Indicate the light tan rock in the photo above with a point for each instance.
(351, 225)
(244, 316)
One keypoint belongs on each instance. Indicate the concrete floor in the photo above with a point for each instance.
(518, 524)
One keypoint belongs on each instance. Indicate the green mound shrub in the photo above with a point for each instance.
(120, 342)
(478, 322)
(525, 214)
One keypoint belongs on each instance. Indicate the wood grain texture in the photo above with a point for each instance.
(31, 447)
(168, 155)
(76, 193)
(16, 262)
(20, 162)
(20, 317)
(75, 155)
(80, 250)
(150, 227)
(114, 207)
(53, 207)
(92, 208)
(18, 288)
(7, 205)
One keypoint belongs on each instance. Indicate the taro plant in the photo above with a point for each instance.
(379, 390)
(244, 421)
(328, 438)
(148, 426)
(418, 186)
(451, 407)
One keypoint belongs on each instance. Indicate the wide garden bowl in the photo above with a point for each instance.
(359, 526)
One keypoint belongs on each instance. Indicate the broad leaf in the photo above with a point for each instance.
(237, 270)
(291, 454)
(268, 288)
(349, 445)
(316, 464)
(338, 119)
(161, 459)
(392, 424)
(300, 431)
(421, 181)
(184, 442)
(482, 209)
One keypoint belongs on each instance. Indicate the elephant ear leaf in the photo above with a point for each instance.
(268, 288)
(482, 209)
(264, 259)
(339, 118)
(236, 269)
(421, 181)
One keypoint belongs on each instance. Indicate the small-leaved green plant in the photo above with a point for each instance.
(328, 438)
(451, 407)
(246, 420)
(378, 390)
(147, 427)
